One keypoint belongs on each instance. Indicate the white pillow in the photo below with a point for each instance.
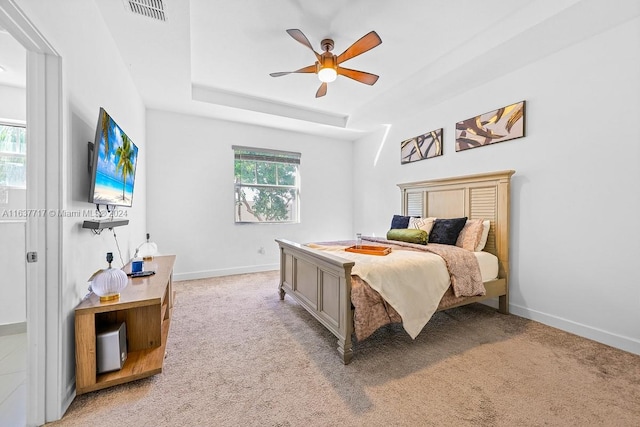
(425, 224)
(486, 224)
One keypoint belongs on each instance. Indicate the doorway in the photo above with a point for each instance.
(13, 223)
(43, 141)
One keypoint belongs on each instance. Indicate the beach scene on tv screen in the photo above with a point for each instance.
(116, 166)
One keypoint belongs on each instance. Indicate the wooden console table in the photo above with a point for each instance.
(145, 305)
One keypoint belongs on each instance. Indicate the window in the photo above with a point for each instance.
(267, 185)
(13, 156)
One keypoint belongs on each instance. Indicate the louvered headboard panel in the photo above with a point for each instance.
(484, 205)
(485, 196)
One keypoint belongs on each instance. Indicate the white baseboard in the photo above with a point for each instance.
(614, 340)
(13, 328)
(70, 394)
(224, 272)
(618, 341)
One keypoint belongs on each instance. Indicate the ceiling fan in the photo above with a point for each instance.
(327, 66)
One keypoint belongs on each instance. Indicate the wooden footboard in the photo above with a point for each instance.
(321, 283)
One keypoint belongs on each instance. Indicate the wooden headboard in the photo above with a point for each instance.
(482, 196)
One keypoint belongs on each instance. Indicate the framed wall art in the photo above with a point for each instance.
(500, 125)
(421, 147)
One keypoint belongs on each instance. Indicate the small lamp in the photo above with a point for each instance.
(108, 283)
(147, 250)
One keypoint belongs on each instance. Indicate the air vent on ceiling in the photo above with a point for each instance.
(155, 9)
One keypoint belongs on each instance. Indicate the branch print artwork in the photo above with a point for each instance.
(421, 147)
(496, 126)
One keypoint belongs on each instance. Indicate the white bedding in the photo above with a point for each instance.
(488, 265)
(412, 282)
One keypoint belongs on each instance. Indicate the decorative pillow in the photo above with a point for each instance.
(469, 237)
(425, 224)
(446, 231)
(400, 221)
(409, 235)
(486, 225)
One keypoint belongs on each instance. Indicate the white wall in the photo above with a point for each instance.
(13, 308)
(575, 197)
(13, 103)
(190, 204)
(94, 75)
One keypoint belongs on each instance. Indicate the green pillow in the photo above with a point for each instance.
(409, 235)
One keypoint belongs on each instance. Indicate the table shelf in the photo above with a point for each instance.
(145, 305)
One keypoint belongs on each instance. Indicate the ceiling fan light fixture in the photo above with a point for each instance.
(327, 74)
(328, 64)
(327, 67)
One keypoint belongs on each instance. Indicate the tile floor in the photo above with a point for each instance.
(13, 380)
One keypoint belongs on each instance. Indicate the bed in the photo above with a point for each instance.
(321, 282)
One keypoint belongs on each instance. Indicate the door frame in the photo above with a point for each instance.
(44, 233)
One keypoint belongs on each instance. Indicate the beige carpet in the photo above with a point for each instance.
(238, 356)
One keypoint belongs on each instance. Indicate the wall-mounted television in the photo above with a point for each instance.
(114, 162)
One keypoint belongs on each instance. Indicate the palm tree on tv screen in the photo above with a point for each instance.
(125, 162)
(104, 125)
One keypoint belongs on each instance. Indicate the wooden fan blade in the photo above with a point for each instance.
(302, 39)
(309, 69)
(367, 42)
(359, 76)
(322, 90)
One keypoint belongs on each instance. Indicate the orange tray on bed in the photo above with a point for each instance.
(370, 250)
